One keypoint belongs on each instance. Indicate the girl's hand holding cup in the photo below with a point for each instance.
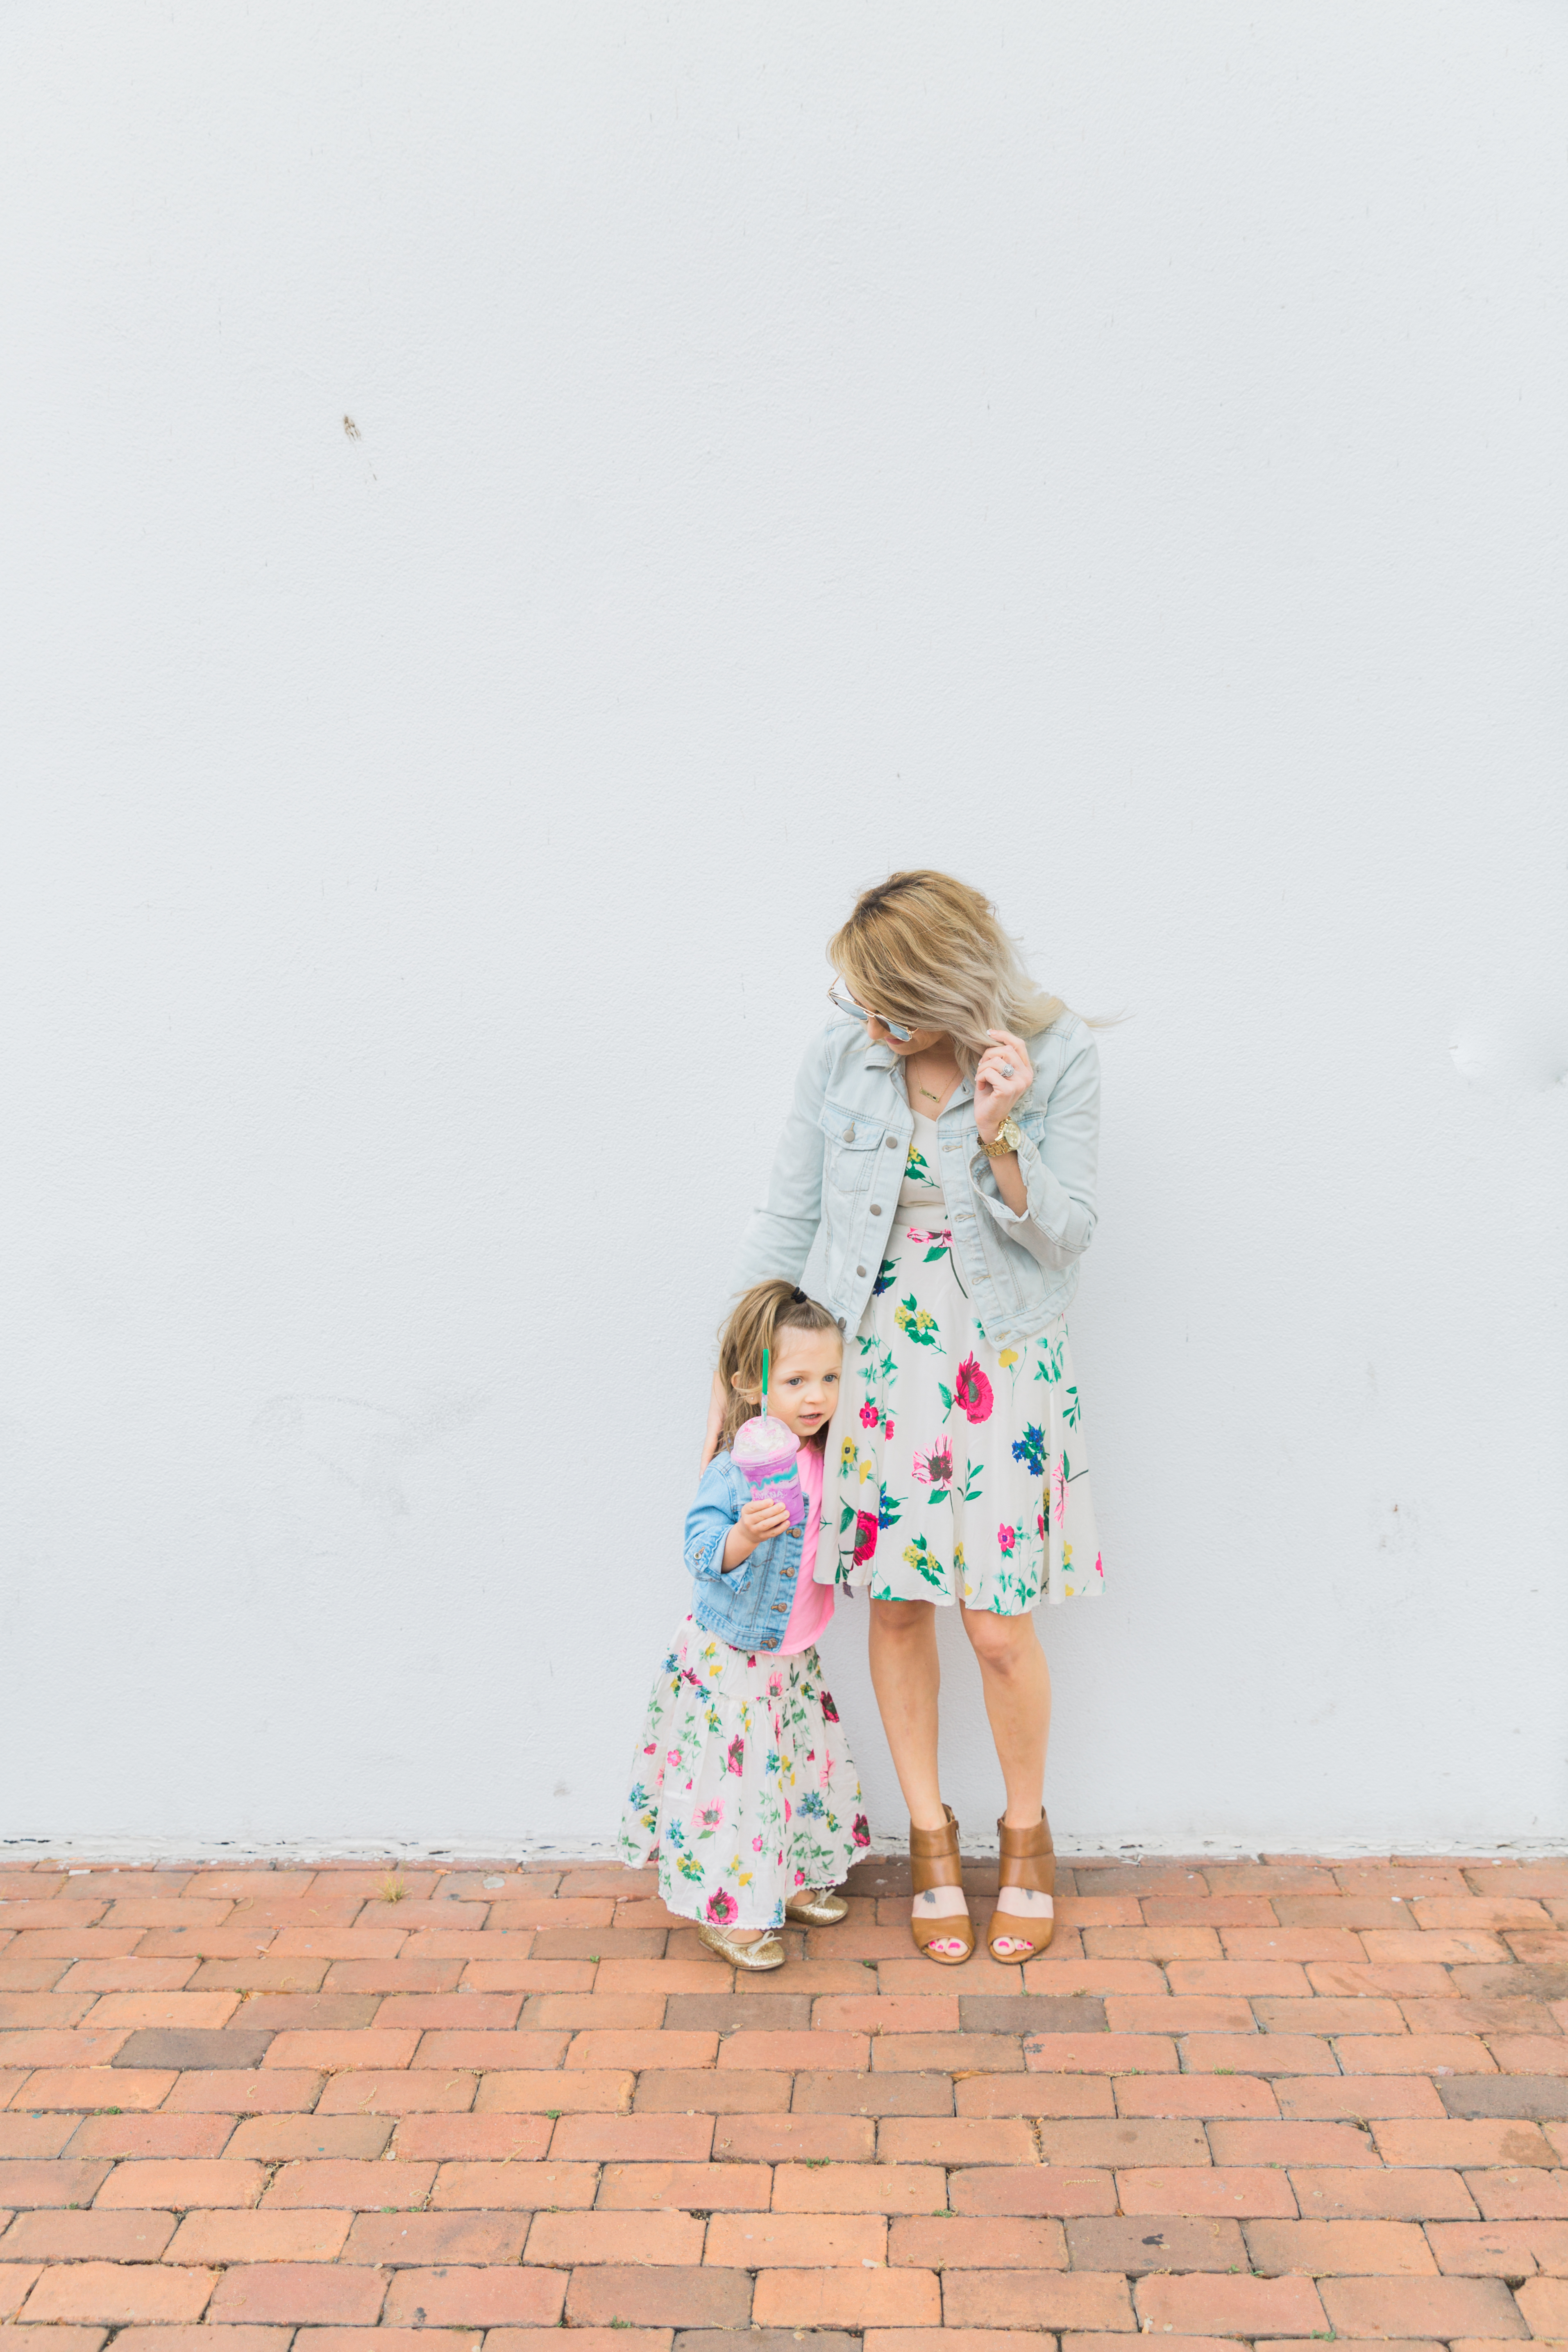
(759, 1520)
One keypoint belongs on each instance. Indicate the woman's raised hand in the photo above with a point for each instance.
(716, 1403)
(1004, 1076)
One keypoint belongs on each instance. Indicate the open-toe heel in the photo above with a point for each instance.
(934, 1862)
(1029, 1859)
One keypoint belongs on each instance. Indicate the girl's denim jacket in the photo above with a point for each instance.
(833, 1194)
(749, 1607)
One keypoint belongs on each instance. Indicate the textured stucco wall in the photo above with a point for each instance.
(1114, 450)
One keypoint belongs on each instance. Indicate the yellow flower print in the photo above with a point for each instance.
(866, 1471)
(849, 1452)
(1007, 1358)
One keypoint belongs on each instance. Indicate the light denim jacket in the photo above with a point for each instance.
(833, 1194)
(749, 1607)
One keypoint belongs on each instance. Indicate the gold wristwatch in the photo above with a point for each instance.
(1009, 1136)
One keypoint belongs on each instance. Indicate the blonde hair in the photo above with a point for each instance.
(927, 950)
(755, 1322)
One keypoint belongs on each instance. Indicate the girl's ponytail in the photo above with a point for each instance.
(756, 1321)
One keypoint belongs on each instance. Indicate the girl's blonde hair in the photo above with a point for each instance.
(928, 950)
(756, 1321)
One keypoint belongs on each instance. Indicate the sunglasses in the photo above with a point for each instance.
(858, 1012)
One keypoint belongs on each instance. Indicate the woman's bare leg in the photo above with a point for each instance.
(905, 1676)
(1017, 1682)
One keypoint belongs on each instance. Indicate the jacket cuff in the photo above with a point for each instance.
(1049, 1205)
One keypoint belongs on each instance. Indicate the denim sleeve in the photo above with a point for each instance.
(708, 1523)
(1059, 1175)
(779, 1235)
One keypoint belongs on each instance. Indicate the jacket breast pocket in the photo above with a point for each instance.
(849, 1142)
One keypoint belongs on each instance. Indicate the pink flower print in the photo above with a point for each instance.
(721, 1908)
(651, 1748)
(1059, 1494)
(711, 1816)
(869, 1416)
(859, 1835)
(972, 1391)
(800, 1878)
(673, 1756)
(886, 1426)
(737, 1754)
(935, 1468)
(775, 1686)
(786, 1813)
(1006, 1538)
(1097, 1569)
(756, 1845)
(865, 1537)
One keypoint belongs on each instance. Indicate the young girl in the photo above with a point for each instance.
(743, 1783)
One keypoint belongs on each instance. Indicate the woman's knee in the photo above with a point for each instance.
(1001, 1645)
(904, 1620)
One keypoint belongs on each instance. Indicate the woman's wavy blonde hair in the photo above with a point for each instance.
(928, 950)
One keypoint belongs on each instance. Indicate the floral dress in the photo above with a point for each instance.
(742, 1782)
(963, 1470)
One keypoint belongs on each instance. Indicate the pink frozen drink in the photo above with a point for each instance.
(764, 1450)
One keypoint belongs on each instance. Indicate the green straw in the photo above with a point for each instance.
(764, 1385)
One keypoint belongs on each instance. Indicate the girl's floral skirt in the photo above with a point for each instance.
(963, 1469)
(742, 1783)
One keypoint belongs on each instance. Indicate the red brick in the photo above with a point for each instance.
(542, 1911)
(1237, 1980)
(282, 2139)
(923, 2053)
(302, 2292)
(1097, 2054)
(1544, 2302)
(947, 2139)
(1290, 2143)
(15, 2279)
(702, 2187)
(1359, 2015)
(75, 2046)
(780, 2139)
(1238, 2190)
(1434, 2306)
(398, 2094)
(133, 2087)
(476, 2138)
(80, 2237)
(846, 2298)
(882, 2013)
(1039, 2095)
(703, 1974)
(27, 1914)
(507, 2187)
(1212, 1911)
(364, 2047)
(1366, 2096)
(1211, 2303)
(945, 2242)
(262, 1974)
(1527, 2196)
(1172, 2016)
(563, 2240)
(654, 2296)
(134, 2010)
(37, 2136)
(1475, 1911)
(1529, 2053)
(788, 2241)
(1394, 1945)
(1390, 2194)
(1070, 2190)
(182, 2183)
(1355, 1981)
(153, 2134)
(1500, 2249)
(601, 2093)
(116, 2293)
(225, 2238)
(858, 2188)
(340, 1943)
(704, 2090)
(129, 1972)
(1263, 2054)
(597, 2049)
(1461, 2143)
(158, 1911)
(398, 2238)
(822, 2052)
(243, 2091)
(498, 2297)
(1125, 2141)
(1412, 2054)
(1169, 1942)
(362, 2185)
(45, 2009)
(1194, 2094)
(25, 2183)
(643, 2139)
(1341, 2249)
(1092, 2300)
(1291, 1944)
(312, 1911)
(24, 1969)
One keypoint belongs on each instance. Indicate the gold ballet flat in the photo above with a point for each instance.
(817, 1906)
(760, 1956)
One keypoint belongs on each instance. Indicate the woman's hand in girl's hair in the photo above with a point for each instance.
(716, 1403)
(994, 1091)
(757, 1522)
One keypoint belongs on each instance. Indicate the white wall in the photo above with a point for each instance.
(1113, 450)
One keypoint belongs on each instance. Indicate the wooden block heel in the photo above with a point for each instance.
(934, 1862)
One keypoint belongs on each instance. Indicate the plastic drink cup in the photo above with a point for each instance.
(764, 1452)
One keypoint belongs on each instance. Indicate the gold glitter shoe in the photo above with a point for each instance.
(761, 1954)
(816, 1906)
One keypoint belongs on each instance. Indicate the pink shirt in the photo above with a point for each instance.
(813, 1604)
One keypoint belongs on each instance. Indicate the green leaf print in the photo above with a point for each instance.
(885, 1273)
(915, 1168)
(1070, 1408)
(939, 1251)
(972, 1482)
(946, 1395)
(847, 1518)
(1049, 1366)
(916, 1324)
(918, 1555)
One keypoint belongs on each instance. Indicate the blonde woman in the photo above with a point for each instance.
(935, 1188)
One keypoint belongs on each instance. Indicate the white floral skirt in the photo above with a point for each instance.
(742, 1783)
(961, 1468)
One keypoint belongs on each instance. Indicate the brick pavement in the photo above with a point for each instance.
(1284, 2100)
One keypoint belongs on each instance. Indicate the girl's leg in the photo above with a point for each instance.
(905, 1676)
(1017, 1682)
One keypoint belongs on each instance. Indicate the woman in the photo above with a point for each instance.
(935, 1188)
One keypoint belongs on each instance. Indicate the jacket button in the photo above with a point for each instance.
(876, 1212)
(841, 1322)
(859, 1270)
(849, 1133)
(892, 1143)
